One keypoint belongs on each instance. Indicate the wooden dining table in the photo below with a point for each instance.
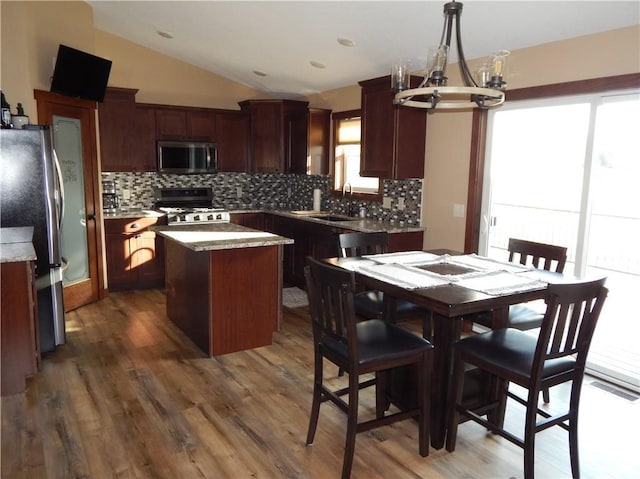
(449, 304)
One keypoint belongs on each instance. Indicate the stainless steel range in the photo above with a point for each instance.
(185, 206)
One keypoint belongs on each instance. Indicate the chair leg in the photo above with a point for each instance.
(530, 434)
(545, 396)
(424, 385)
(381, 393)
(317, 396)
(455, 398)
(573, 428)
(352, 426)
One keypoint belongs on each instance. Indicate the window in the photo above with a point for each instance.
(346, 170)
(565, 171)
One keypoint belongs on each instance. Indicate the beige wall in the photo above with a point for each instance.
(29, 42)
(165, 80)
(449, 133)
(32, 31)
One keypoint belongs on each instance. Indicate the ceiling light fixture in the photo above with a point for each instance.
(345, 42)
(484, 91)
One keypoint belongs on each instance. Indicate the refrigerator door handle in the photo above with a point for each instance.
(60, 192)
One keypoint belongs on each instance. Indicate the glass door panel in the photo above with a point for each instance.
(612, 236)
(67, 134)
(566, 172)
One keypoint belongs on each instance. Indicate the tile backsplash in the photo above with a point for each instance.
(273, 191)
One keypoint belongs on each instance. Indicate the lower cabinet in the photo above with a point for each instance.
(135, 255)
(317, 240)
(310, 239)
(18, 326)
(256, 221)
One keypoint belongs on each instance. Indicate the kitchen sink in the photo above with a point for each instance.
(332, 218)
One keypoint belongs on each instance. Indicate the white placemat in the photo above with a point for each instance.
(404, 276)
(487, 264)
(501, 282)
(402, 257)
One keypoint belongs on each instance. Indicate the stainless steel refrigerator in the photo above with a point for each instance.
(32, 194)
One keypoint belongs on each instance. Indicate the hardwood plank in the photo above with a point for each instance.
(130, 396)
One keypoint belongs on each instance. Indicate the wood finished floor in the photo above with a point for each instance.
(130, 397)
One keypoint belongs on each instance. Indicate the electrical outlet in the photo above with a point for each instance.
(458, 210)
(401, 204)
(386, 202)
(239, 191)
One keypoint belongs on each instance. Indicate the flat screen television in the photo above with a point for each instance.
(80, 75)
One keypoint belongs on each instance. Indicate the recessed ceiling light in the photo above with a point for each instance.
(259, 73)
(317, 64)
(345, 42)
(165, 34)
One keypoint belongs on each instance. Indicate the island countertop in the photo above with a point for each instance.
(218, 236)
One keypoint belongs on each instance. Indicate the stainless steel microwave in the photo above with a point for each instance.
(187, 157)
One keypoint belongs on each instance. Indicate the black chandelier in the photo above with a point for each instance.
(486, 90)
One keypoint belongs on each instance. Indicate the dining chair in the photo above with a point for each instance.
(360, 347)
(558, 355)
(527, 316)
(370, 303)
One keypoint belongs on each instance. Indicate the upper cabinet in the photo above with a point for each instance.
(279, 136)
(266, 136)
(316, 156)
(146, 137)
(181, 123)
(119, 139)
(233, 141)
(393, 137)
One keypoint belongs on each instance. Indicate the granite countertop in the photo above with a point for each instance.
(133, 213)
(15, 244)
(365, 225)
(217, 236)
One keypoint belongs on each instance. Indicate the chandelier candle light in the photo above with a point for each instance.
(486, 90)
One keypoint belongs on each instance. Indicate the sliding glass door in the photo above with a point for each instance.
(567, 172)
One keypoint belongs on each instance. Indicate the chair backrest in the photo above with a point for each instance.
(359, 244)
(538, 255)
(572, 313)
(330, 290)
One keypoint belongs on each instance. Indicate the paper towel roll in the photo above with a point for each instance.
(316, 200)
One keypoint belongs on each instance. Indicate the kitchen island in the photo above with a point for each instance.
(223, 284)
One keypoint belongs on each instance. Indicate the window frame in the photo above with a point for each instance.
(336, 117)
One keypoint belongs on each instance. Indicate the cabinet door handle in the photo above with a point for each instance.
(91, 216)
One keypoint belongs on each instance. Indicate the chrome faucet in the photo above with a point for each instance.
(350, 207)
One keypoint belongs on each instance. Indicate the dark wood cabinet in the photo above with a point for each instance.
(410, 241)
(310, 239)
(135, 255)
(318, 144)
(232, 130)
(182, 123)
(393, 137)
(256, 221)
(18, 326)
(146, 160)
(121, 148)
(277, 134)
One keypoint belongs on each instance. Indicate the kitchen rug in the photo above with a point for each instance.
(294, 297)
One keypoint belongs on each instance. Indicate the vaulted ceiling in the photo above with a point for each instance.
(281, 40)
